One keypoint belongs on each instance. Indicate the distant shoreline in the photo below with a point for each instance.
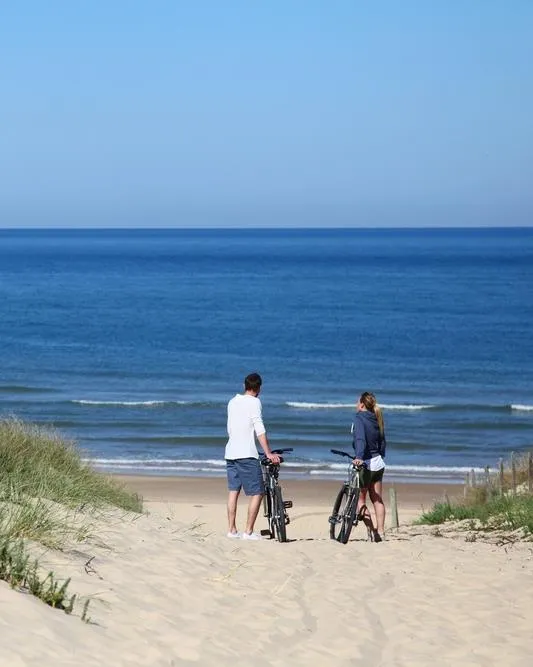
(267, 228)
(393, 476)
(212, 490)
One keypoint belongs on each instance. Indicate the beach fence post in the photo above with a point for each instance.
(472, 477)
(487, 477)
(500, 478)
(513, 471)
(530, 472)
(467, 484)
(393, 508)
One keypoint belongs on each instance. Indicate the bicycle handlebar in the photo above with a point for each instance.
(267, 462)
(339, 453)
(349, 456)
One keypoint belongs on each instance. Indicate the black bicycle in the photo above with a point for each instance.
(275, 508)
(345, 516)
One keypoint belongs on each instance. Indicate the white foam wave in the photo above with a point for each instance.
(149, 462)
(399, 406)
(525, 408)
(313, 467)
(146, 404)
(417, 469)
(414, 472)
(175, 468)
(316, 406)
(217, 463)
(386, 406)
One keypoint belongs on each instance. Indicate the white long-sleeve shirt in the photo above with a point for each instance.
(244, 420)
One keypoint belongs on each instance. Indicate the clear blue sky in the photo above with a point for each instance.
(266, 112)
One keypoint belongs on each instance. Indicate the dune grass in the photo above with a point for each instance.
(493, 508)
(494, 513)
(23, 574)
(40, 463)
(47, 492)
(48, 495)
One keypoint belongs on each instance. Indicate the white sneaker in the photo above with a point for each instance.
(234, 536)
(251, 536)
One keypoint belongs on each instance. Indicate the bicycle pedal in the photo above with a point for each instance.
(333, 520)
(287, 504)
(265, 533)
(287, 520)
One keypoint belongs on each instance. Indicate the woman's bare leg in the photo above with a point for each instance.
(362, 499)
(375, 492)
(363, 513)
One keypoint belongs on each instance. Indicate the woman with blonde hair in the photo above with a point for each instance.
(370, 444)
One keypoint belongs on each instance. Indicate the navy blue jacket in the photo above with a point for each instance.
(367, 440)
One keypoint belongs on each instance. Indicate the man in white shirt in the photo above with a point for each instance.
(245, 423)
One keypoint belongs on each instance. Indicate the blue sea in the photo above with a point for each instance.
(131, 342)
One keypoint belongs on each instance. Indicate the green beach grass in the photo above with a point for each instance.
(50, 496)
(492, 506)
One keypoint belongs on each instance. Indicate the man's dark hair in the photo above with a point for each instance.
(253, 382)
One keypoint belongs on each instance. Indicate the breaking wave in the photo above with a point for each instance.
(385, 406)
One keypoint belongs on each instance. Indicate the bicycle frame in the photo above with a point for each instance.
(344, 515)
(270, 478)
(353, 480)
(274, 508)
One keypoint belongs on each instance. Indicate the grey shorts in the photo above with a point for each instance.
(245, 474)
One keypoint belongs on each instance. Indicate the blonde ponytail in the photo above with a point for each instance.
(369, 401)
(379, 417)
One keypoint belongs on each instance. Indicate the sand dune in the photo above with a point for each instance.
(169, 588)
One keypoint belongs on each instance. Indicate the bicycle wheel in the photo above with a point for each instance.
(349, 516)
(343, 515)
(267, 504)
(335, 520)
(278, 515)
(267, 508)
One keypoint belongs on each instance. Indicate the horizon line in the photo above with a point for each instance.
(261, 228)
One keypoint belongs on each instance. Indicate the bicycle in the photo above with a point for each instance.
(345, 516)
(273, 504)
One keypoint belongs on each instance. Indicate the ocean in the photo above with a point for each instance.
(131, 342)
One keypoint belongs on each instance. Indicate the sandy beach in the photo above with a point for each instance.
(168, 588)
